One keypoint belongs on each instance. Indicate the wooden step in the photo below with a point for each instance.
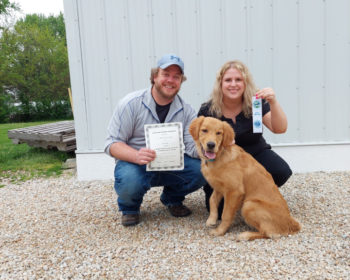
(60, 135)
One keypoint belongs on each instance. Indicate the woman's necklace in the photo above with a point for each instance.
(233, 112)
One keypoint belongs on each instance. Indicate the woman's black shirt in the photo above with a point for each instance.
(252, 143)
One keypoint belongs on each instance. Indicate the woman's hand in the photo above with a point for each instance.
(276, 119)
(268, 94)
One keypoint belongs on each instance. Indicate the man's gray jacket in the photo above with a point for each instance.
(139, 108)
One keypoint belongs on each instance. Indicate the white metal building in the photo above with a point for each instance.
(301, 48)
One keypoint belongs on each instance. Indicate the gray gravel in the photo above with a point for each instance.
(65, 229)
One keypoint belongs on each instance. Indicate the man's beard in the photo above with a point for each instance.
(163, 94)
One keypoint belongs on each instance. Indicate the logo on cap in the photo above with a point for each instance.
(170, 59)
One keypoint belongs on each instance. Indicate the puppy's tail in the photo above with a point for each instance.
(250, 235)
(294, 226)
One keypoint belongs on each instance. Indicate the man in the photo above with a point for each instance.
(126, 142)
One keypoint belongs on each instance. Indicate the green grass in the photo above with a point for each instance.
(22, 162)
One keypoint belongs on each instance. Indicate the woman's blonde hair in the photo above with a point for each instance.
(217, 95)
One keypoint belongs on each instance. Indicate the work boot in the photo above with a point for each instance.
(179, 210)
(130, 219)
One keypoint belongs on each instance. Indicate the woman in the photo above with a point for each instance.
(231, 101)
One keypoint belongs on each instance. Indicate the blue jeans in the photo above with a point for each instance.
(132, 182)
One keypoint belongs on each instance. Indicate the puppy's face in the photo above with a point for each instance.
(211, 135)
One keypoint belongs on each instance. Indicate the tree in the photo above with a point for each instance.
(55, 24)
(6, 7)
(35, 71)
(6, 10)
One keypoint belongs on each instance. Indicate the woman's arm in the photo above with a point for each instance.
(276, 119)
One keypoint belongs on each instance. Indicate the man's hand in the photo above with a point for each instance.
(124, 152)
(144, 156)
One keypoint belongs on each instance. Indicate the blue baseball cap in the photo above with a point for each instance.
(170, 59)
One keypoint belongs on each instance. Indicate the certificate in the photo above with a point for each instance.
(167, 140)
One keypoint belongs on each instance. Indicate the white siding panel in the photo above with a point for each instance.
(300, 48)
(140, 34)
(235, 33)
(95, 68)
(285, 66)
(120, 67)
(260, 42)
(189, 43)
(337, 78)
(73, 25)
(163, 16)
(311, 71)
(212, 43)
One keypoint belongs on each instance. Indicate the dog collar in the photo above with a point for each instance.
(206, 161)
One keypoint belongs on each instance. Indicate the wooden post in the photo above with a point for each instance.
(70, 99)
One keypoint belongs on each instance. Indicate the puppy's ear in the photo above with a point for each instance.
(194, 127)
(229, 135)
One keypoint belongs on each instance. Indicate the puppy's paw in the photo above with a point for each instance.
(244, 236)
(274, 235)
(211, 223)
(216, 232)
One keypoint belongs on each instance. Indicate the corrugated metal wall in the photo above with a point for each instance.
(301, 48)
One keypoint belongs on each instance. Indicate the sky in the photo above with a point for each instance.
(46, 7)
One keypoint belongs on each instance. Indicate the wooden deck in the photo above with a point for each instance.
(60, 135)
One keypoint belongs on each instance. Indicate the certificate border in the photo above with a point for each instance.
(173, 167)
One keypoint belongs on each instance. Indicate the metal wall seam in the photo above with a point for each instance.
(199, 42)
(128, 43)
(298, 72)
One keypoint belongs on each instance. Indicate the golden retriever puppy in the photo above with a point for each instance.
(243, 183)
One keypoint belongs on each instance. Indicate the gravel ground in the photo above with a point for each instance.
(65, 229)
